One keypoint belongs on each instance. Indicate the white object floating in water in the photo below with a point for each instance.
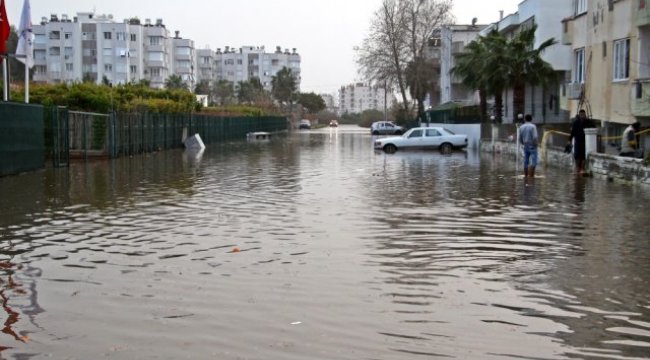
(194, 143)
(296, 323)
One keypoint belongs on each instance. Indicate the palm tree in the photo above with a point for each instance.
(175, 82)
(526, 66)
(481, 67)
(469, 66)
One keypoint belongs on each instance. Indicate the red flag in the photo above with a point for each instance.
(4, 27)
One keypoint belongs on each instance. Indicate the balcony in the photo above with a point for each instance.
(567, 33)
(641, 97)
(509, 23)
(642, 11)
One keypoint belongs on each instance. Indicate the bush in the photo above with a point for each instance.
(102, 98)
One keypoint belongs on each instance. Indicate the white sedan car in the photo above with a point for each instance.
(423, 138)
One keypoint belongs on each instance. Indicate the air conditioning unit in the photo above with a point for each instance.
(574, 91)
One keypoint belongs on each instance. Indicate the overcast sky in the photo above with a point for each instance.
(323, 32)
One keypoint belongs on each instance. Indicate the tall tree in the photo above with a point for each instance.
(284, 86)
(481, 67)
(420, 74)
(398, 36)
(526, 65)
(203, 87)
(175, 82)
(248, 92)
(224, 92)
(312, 102)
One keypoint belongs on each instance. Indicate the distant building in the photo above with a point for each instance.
(184, 60)
(206, 69)
(330, 103)
(359, 97)
(454, 38)
(95, 48)
(249, 62)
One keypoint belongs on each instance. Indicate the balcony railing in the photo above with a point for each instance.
(642, 11)
(567, 33)
(641, 97)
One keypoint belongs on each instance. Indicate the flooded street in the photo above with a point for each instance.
(313, 246)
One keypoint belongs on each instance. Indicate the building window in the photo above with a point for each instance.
(579, 66)
(68, 36)
(156, 56)
(183, 51)
(133, 69)
(183, 64)
(155, 72)
(55, 51)
(581, 7)
(108, 67)
(133, 37)
(69, 67)
(107, 35)
(120, 36)
(155, 40)
(621, 59)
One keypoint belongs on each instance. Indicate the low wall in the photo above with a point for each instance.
(22, 146)
(610, 167)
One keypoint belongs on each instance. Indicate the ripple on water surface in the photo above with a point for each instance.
(315, 247)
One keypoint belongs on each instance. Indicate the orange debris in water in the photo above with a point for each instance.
(235, 250)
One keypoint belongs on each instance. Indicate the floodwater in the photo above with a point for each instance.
(313, 246)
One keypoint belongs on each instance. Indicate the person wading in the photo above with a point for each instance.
(528, 137)
(578, 127)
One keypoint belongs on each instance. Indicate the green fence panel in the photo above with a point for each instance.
(22, 143)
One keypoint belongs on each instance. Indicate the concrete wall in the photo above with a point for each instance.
(473, 132)
(603, 166)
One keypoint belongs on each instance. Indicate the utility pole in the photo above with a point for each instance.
(385, 102)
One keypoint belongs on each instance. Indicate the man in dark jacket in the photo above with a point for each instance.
(578, 126)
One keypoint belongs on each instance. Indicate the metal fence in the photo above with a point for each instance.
(22, 145)
(125, 134)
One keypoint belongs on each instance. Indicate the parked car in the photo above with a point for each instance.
(385, 128)
(304, 124)
(334, 123)
(423, 138)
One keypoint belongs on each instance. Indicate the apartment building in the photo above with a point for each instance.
(206, 67)
(453, 39)
(359, 97)
(97, 48)
(610, 73)
(249, 62)
(541, 102)
(184, 60)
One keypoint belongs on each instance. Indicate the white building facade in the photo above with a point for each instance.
(453, 39)
(247, 62)
(359, 97)
(96, 48)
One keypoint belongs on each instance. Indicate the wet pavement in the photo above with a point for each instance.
(313, 246)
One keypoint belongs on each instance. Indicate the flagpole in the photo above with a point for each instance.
(5, 80)
(26, 84)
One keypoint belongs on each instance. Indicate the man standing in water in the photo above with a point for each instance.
(528, 137)
(578, 127)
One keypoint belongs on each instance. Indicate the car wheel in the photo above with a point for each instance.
(390, 149)
(375, 132)
(446, 148)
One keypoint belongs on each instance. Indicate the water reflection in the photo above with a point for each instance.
(314, 246)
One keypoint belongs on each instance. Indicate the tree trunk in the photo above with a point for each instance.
(518, 99)
(483, 104)
(498, 107)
